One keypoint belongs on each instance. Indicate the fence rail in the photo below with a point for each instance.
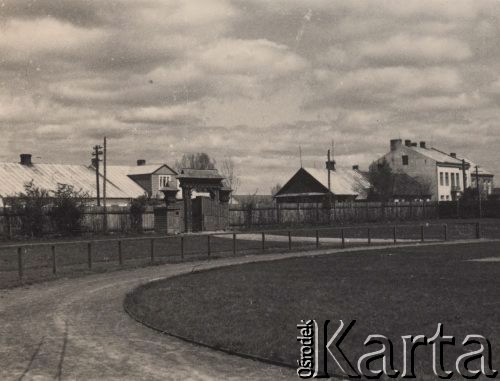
(40, 261)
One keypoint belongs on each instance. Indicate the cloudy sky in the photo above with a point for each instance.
(248, 79)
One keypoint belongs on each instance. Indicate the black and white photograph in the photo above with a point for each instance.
(251, 190)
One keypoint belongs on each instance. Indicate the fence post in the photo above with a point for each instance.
(422, 238)
(120, 257)
(369, 236)
(289, 240)
(182, 248)
(394, 234)
(234, 244)
(9, 226)
(445, 232)
(89, 254)
(478, 230)
(343, 237)
(20, 262)
(152, 250)
(54, 264)
(263, 242)
(317, 238)
(208, 246)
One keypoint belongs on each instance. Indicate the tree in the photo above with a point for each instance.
(199, 160)
(137, 209)
(382, 180)
(30, 206)
(275, 189)
(67, 209)
(228, 170)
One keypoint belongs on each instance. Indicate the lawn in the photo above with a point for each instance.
(254, 308)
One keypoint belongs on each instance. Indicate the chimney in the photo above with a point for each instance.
(408, 142)
(26, 159)
(141, 162)
(414, 144)
(355, 167)
(422, 145)
(330, 165)
(453, 154)
(395, 144)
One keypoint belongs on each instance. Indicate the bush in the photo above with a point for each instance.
(137, 209)
(31, 206)
(67, 209)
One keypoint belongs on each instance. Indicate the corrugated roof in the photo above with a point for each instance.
(344, 181)
(436, 155)
(14, 176)
(144, 169)
(481, 170)
(118, 176)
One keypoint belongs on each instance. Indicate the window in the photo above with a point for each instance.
(405, 159)
(447, 197)
(452, 179)
(163, 181)
(447, 179)
(441, 178)
(442, 197)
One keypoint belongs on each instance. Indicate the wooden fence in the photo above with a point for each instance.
(338, 213)
(118, 220)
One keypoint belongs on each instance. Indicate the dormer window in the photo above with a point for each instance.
(163, 181)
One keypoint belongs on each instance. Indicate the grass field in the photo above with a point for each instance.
(254, 309)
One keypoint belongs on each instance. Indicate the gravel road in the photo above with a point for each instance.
(76, 329)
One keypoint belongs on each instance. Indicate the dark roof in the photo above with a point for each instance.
(199, 174)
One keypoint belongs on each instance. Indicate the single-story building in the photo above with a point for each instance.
(123, 183)
(318, 186)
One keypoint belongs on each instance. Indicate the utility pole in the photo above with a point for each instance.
(328, 168)
(464, 175)
(105, 225)
(96, 153)
(478, 193)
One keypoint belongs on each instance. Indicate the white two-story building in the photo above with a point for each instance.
(445, 175)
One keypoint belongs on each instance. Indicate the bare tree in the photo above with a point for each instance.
(228, 169)
(199, 160)
(275, 189)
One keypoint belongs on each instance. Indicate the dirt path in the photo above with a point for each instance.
(76, 329)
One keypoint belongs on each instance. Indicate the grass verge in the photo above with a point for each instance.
(254, 308)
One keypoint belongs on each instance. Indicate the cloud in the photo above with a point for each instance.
(414, 50)
(177, 115)
(22, 40)
(251, 79)
(252, 57)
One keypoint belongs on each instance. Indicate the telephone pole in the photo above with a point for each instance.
(478, 193)
(105, 225)
(96, 153)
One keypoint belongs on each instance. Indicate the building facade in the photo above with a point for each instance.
(444, 175)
